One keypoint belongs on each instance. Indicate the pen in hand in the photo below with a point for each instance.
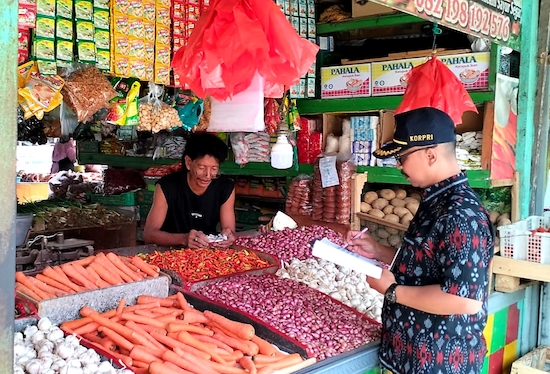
(358, 235)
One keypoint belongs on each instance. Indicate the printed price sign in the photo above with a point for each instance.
(329, 174)
(497, 20)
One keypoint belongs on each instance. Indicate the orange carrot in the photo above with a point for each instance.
(217, 343)
(193, 316)
(288, 360)
(76, 277)
(266, 370)
(147, 328)
(167, 318)
(157, 367)
(264, 347)
(46, 287)
(188, 362)
(119, 340)
(119, 264)
(89, 327)
(140, 364)
(186, 338)
(105, 274)
(71, 325)
(169, 310)
(261, 359)
(140, 353)
(232, 342)
(107, 264)
(128, 262)
(132, 308)
(53, 283)
(227, 369)
(24, 280)
(137, 370)
(27, 291)
(106, 343)
(182, 302)
(145, 267)
(127, 360)
(98, 281)
(242, 330)
(120, 306)
(85, 311)
(235, 356)
(145, 313)
(173, 343)
(134, 326)
(58, 274)
(247, 364)
(84, 261)
(84, 273)
(177, 327)
(119, 329)
(143, 319)
(146, 299)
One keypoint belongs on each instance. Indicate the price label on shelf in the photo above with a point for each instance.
(497, 20)
(329, 174)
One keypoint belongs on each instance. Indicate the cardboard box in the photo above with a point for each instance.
(389, 77)
(346, 81)
(369, 9)
(535, 362)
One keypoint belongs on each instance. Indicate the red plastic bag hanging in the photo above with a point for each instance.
(433, 84)
(233, 40)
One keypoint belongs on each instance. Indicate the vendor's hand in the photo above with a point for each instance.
(381, 285)
(365, 245)
(197, 239)
(230, 238)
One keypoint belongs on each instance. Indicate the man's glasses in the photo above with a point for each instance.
(401, 158)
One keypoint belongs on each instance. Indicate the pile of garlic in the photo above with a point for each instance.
(44, 349)
(341, 283)
(468, 149)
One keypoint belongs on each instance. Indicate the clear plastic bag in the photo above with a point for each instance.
(298, 201)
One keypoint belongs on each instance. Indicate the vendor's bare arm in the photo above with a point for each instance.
(152, 232)
(432, 299)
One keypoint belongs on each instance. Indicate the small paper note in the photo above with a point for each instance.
(329, 174)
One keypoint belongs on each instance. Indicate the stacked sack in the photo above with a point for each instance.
(298, 201)
(468, 149)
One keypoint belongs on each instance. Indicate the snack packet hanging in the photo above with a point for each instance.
(124, 107)
(40, 93)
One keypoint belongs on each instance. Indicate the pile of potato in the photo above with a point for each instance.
(392, 205)
(157, 118)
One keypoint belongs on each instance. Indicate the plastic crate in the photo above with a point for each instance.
(517, 240)
(124, 199)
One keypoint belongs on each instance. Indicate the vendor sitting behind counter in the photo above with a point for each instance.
(189, 204)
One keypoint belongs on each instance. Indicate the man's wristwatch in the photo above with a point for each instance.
(390, 295)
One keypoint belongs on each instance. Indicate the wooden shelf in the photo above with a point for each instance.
(513, 275)
(368, 217)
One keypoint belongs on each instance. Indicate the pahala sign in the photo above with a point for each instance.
(497, 20)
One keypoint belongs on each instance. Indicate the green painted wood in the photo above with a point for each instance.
(367, 22)
(526, 102)
(493, 65)
(363, 104)
(8, 128)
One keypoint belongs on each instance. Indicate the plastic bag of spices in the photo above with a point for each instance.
(86, 91)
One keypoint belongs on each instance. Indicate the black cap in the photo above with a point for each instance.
(417, 128)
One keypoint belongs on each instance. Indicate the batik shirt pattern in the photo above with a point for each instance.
(449, 242)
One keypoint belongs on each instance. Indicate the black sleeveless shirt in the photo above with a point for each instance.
(188, 211)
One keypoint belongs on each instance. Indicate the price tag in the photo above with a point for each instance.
(329, 175)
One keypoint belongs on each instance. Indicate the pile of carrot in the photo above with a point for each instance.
(89, 273)
(168, 336)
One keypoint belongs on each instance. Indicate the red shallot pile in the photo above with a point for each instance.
(325, 326)
(290, 243)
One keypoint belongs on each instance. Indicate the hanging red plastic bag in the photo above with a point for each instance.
(434, 85)
(233, 40)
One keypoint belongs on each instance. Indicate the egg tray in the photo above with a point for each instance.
(67, 308)
(178, 280)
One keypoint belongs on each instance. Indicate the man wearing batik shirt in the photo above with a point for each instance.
(436, 290)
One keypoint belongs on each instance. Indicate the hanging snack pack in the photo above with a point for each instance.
(86, 91)
(155, 115)
(124, 107)
(39, 93)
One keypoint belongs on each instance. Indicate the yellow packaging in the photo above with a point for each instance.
(135, 27)
(121, 45)
(135, 8)
(163, 35)
(121, 6)
(102, 39)
(121, 24)
(40, 93)
(44, 49)
(149, 30)
(136, 67)
(45, 27)
(64, 29)
(65, 8)
(137, 48)
(84, 10)
(162, 74)
(23, 72)
(84, 30)
(103, 60)
(64, 50)
(121, 66)
(45, 8)
(149, 48)
(101, 18)
(163, 3)
(163, 16)
(163, 54)
(149, 70)
(149, 11)
(86, 51)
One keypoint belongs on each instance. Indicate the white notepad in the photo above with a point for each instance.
(329, 251)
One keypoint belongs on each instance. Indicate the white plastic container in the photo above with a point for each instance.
(282, 154)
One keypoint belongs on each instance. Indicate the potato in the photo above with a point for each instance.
(376, 213)
(391, 218)
(493, 216)
(398, 203)
(400, 193)
(388, 209)
(406, 219)
(392, 231)
(394, 241)
(380, 203)
(413, 207)
(387, 194)
(409, 200)
(416, 196)
(503, 222)
(369, 197)
(384, 242)
(365, 207)
(382, 234)
(504, 215)
(400, 211)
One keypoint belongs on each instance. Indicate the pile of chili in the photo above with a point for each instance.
(205, 263)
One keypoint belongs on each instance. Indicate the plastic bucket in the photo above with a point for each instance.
(22, 227)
